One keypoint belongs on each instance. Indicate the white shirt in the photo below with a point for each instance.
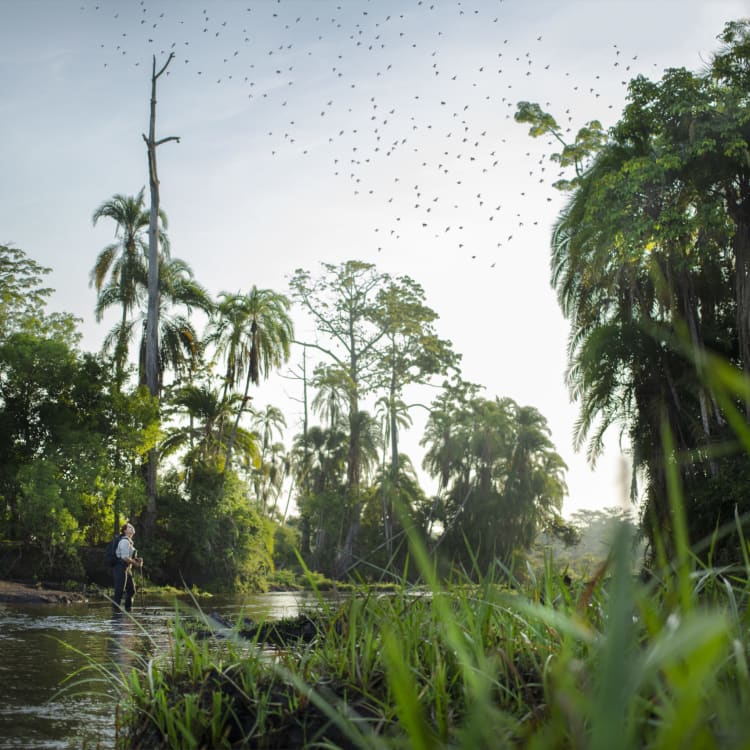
(124, 548)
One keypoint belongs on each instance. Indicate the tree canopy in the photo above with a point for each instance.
(651, 263)
(503, 479)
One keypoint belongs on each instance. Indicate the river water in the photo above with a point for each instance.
(42, 645)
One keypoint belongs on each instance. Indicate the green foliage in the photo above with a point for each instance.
(385, 556)
(126, 264)
(253, 332)
(213, 537)
(578, 154)
(322, 514)
(286, 542)
(60, 448)
(204, 438)
(379, 338)
(66, 442)
(650, 259)
(612, 662)
(499, 471)
(23, 300)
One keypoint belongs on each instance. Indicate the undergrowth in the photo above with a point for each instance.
(610, 662)
(616, 661)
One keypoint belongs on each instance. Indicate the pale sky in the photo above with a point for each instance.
(315, 131)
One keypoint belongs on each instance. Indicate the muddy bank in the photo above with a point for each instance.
(25, 593)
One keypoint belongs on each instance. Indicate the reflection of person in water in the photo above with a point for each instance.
(121, 646)
(123, 570)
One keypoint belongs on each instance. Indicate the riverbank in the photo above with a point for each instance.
(25, 593)
(465, 665)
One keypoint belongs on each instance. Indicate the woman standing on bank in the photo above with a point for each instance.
(127, 557)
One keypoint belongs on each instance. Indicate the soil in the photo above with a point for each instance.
(26, 593)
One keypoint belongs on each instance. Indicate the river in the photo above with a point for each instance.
(42, 644)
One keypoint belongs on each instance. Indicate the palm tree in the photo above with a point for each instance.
(365, 440)
(179, 343)
(269, 422)
(318, 462)
(269, 476)
(202, 437)
(639, 255)
(255, 338)
(120, 267)
(227, 334)
(333, 394)
(319, 459)
(535, 480)
(499, 473)
(394, 414)
(271, 473)
(180, 346)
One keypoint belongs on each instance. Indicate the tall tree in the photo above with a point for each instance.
(499, 474)
(272, 468)
(154, 257)
(332, 386)
(67, 443)
(254, 332)
(269, 422)
(226, 332)
(651, 261)
(342, 304)
(22, 296)
(395, 416)
(121, 266)
(412, 354)
(179, 343)
(378, 337)
(180, 346)
(319, 470)
(716, 132)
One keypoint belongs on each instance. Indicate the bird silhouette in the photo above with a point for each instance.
(384, 97)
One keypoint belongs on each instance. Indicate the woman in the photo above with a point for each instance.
(123, 575)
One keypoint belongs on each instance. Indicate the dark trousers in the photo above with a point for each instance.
(124, 585)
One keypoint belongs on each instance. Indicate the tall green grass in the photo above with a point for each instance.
(612, 662)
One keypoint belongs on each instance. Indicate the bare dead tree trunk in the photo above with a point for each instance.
(152, 318)
(384, 497)
(305, 418)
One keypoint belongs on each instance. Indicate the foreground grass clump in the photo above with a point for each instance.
(607, 663)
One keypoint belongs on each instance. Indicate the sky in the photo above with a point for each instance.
(319, 132)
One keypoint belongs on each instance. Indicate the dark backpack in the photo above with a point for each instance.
(110, 551)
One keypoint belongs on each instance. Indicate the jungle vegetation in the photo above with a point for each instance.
(650, 259)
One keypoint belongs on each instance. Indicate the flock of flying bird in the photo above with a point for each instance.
(410, 103)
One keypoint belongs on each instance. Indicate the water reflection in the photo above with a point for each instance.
(41, 646)
(122, 645)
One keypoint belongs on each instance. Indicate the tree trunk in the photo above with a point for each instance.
(306, 458)
(236, 425)
(346, 555)
(386, 512)
(742, 288)
(121, 351)
(152, 318)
